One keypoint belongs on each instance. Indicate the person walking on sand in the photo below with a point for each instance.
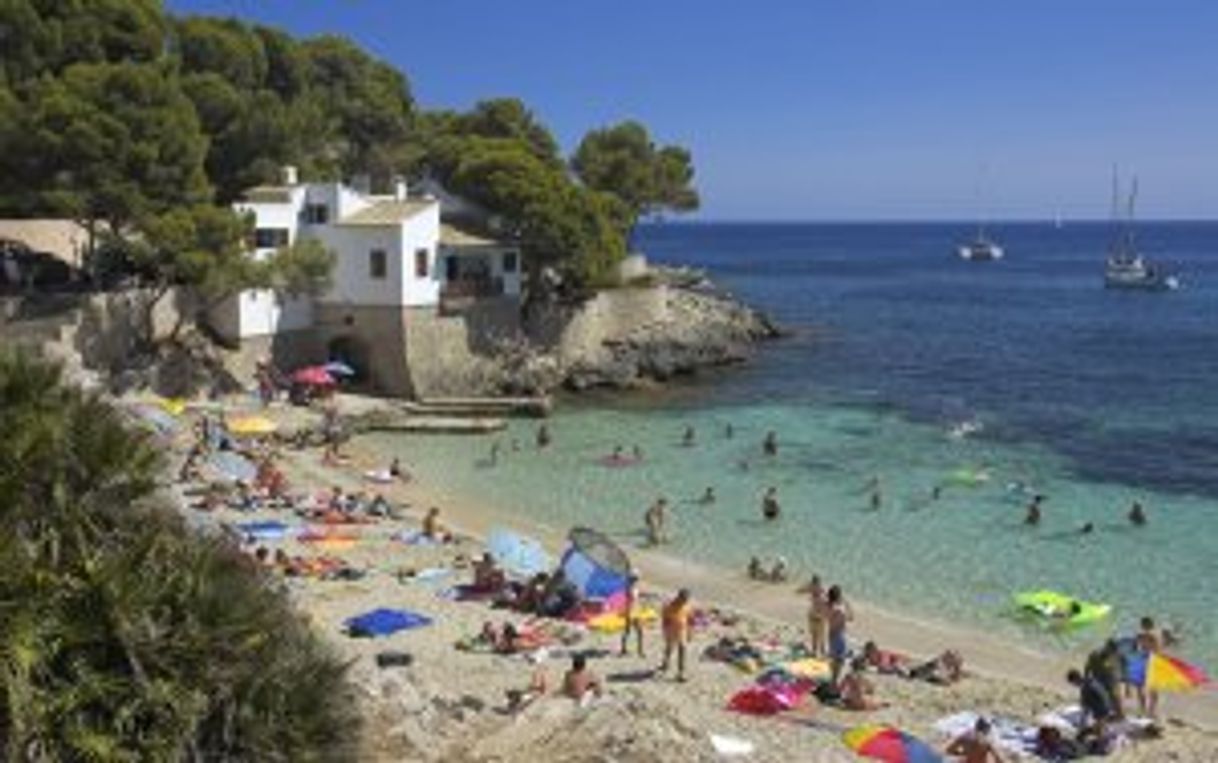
(818, 610)
(632, 616)
(838, 615)
(975, 746)
(770, 509)
(769, 445)
(675, 623)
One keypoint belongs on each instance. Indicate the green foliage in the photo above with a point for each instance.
(42, 37)
(110, 142)
(303, 267)
(124, 636)
(624, 161)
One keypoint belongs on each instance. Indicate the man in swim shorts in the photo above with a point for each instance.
(975, 746)
(839, 614)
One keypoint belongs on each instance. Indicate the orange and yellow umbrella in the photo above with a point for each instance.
(1162, 672)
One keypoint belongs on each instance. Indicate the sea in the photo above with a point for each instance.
(909, 368)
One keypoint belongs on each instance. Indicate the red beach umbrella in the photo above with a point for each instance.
(315, 376)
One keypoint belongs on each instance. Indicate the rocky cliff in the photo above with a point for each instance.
(634, 336)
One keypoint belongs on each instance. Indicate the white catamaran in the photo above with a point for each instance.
(1126, 268)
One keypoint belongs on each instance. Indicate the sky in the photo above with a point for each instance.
(837, 109)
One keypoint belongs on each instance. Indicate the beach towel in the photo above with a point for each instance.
(384, 621)
(425, 575)
(766, 700)
(263, 531)
(413, 538)
(730, 747)
(1008, 735)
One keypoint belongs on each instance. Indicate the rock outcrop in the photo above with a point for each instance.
(634, 336)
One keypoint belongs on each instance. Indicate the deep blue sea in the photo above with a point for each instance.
(1094, 398)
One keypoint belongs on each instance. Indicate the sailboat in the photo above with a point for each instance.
(982, 248)
(1126, 268)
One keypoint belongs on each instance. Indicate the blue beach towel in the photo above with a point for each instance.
(269, 530)
(383, 622)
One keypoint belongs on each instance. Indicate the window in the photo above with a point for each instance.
(420, 263)
(270, 238)
(316, 214)
(509, 262)
(377, 267)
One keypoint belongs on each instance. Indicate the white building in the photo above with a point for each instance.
(396, 266)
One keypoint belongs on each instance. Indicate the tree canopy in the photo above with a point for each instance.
(624, 161)
(114, 112)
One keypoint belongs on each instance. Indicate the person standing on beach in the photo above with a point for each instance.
(1147, 643)
(656, 519)
(632, 616)
(770, 508)
(839, 614)
(769, 445)
(675, 622)
(818, 609)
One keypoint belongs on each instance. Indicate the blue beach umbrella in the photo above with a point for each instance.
(339, 368)
(518, 554)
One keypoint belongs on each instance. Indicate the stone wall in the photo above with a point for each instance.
(579, 335)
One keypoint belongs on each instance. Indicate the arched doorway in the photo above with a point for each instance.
(354, 352)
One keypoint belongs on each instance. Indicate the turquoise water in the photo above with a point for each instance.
(1090, 397)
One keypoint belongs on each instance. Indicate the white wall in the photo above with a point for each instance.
(266, 312)
(422, 231)
(352, 278)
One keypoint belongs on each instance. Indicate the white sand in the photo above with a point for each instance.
(448, 705)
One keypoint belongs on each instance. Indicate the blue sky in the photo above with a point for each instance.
(837, 109)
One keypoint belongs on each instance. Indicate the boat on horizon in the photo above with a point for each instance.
(1125, 267)
(980, 249)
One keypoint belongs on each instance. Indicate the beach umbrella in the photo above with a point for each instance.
(595, 564)
(158, 419)
(235, 467)
(314, 376)
(175, 406)
(338, 368)
(1162, 672)
(251, 425)
(518, 554)
(888, 744)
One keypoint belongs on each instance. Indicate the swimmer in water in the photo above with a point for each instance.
(1033, 516)
(729, 431)
(1087, 529)
(708, 497)
(1137, 516)
(637, 452)
(770, 509)
(769, 445)
(690, 436)
(618, 455)
(877, 495)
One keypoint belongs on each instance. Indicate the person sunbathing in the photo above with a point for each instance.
(856, 691)
(884, 662)
(975, 746)
(580, 683)
(519, 699)
(944, 670)
(488, 578)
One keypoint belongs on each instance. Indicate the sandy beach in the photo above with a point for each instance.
(449, 704)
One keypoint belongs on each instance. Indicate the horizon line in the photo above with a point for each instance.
(909, 221)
